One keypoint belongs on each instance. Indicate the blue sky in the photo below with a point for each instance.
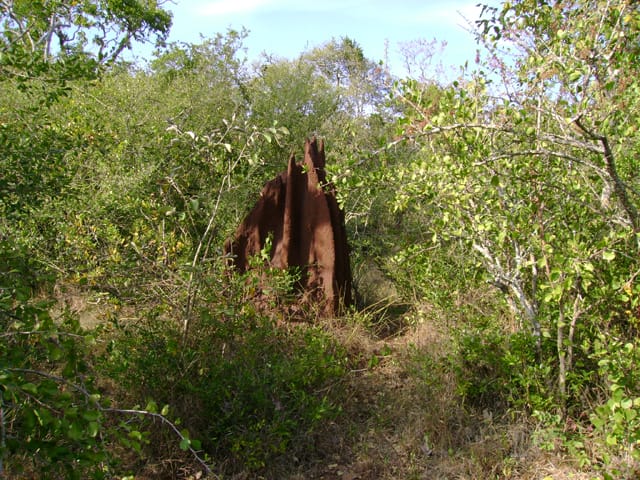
(286, 28)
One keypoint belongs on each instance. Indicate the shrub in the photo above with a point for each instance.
(249, 389)
(502, 371)
(51, 423)
(616, 421)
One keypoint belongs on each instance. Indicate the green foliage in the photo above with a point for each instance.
(47, 44)
(427, 274)
(293, 95)
(617, 420)
(468, 199)
(249, 390)
(501, 371)
(533, 177)
(482, 376)
(130, 192)
(360, 84)
(54, 419)
(50, 421)
(105, 194)
(536, 182)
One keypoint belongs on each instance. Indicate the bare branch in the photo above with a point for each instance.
(572, 142)
(24, 31)
(92, 399)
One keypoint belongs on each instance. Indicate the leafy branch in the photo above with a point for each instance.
(618, 185)
(93, 399)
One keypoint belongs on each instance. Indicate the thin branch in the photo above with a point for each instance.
(510, 285)
(618, 185)
(541, 152)
(48, 37)
(91, 398)
(167, 422)
(572, 142)
(125, 42)
(40, 332)
(24, 31)
(457, 126)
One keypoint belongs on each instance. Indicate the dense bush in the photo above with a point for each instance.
(247, 388)
(52, 423)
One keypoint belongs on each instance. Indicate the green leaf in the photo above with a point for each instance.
(55, 352)
(597, 421)
(30, 388)
(185, 443)
(75, 431)
(91, 415)
(608, 255)
(152, 407)
(93, 429)
(574, 76)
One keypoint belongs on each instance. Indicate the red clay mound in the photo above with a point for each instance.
(300, 211)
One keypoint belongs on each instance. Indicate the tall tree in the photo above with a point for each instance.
(72, 39)
(361, 83)
(295, 96)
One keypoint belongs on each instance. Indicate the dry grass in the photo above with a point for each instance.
(91, 308)
(402, 419)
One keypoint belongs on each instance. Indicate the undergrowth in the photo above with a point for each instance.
(249, 389)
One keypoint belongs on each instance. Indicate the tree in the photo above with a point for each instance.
(52, 421)
(294, 95)
(361, 83)
(60, 40)
(537, 174)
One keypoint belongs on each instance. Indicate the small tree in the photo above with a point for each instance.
(531, 163)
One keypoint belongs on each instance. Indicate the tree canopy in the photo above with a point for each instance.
(61, 40)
